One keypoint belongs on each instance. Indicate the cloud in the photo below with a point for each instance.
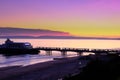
(30, 32)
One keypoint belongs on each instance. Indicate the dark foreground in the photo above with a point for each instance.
(101, 68)
(92, 67)
(17, 51)
(52, 70)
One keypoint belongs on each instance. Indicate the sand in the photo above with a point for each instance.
(51, 70)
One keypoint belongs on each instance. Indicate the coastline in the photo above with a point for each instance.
(43, 70)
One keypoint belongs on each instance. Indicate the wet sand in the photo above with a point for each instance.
(51, 70)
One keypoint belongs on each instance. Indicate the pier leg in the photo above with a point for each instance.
(48, 53)
(79, 53)
(97, 54)
(39, 51)
(63, 53)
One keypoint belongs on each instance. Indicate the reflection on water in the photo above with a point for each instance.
(24, 60)
(27, 59)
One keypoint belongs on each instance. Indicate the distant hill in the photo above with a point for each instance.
(9, 32)
(28, 33)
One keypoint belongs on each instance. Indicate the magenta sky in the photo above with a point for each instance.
(79, 17)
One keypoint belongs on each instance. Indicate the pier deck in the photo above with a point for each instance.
(79, 51)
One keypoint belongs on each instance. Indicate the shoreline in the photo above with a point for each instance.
(20, 71)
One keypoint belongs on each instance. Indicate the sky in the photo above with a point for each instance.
(91, 18)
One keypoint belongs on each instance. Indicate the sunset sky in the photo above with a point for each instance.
(92, 18)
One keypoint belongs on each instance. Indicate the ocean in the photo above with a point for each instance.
(28, 59)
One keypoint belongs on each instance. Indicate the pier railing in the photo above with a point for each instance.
(79, 51)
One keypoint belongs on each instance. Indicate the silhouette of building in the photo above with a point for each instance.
(10, 44)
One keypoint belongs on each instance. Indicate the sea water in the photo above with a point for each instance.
(28, 59)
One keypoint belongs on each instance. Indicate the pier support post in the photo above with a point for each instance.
(39, 51)
(79, 53)
(63, 53)
(97, 53)
(48, 53)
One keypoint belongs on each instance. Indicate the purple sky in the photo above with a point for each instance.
(78, 17)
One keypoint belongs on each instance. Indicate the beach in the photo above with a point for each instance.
(51, 70)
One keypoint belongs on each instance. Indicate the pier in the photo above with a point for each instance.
(79, 51)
